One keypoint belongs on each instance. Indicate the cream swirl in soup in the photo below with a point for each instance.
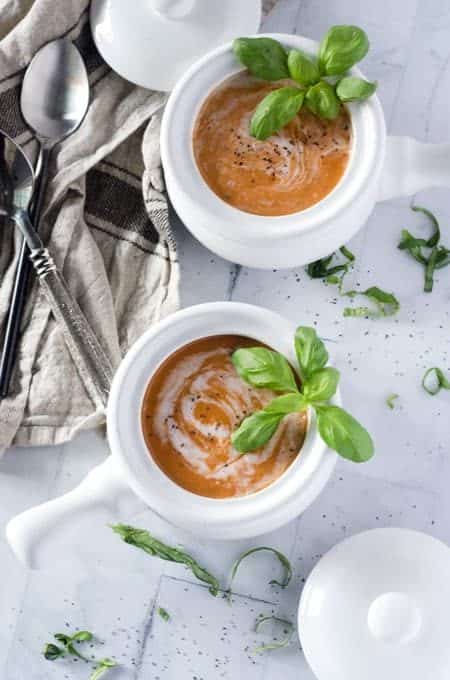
(286, 173)
(192, 405)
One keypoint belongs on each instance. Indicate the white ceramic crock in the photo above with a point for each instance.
(380, 168)
(130, 467)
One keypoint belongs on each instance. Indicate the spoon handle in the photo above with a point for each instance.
(21, 280)
(92, 363)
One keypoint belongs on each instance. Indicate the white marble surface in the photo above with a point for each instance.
(99, 583)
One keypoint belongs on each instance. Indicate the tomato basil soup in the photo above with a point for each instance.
(288, 172)
(193, 403)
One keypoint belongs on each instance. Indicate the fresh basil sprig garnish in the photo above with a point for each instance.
(142, 539)
(341, 48)
(275, 111)
(266, 58)
(321, 99)
(428, 252)
(434, 381)
(338, 429)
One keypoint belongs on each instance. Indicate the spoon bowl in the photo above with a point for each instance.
(56, 107)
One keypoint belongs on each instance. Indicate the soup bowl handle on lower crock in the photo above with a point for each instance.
(412, 166)
(103, 489)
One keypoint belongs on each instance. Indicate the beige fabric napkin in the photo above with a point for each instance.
(105, 218)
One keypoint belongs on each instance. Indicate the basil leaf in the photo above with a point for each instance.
(321, 99)
(311, 352)
(255, 431)
(438, 382)
(386, 304)
(101, 668)
(287, 403)
(302, 69)
(52, 652)
(320, 269)
(163, 614)
(263, 367)
(390, 401)
(264, 57)
(351, 89)
(287, 569)
(288, 631)
(275, 111)
(322, 385)
(341, 48)
(142, 539)
(342, 433)
(82, 636)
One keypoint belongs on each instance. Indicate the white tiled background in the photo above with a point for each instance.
(99, 583)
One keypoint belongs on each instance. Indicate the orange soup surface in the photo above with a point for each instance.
(290, 171)
(193, 403)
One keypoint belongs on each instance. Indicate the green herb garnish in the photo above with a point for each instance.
(341, 48)
(52, 651)
(427, 252)
(142, 539)
(434, 380)
(287, 569)
(385, 304)
(288, 630)
(339, 430)
(102, 666)
(325, 269)
(390, 401)
(163, 614)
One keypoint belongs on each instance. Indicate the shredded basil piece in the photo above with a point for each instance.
(386, 304)
(287, 575)
(390, 401)
(142, 539)
(321, 269)
(163, 613)
(52, 651)
(440, 381)
(428, 252)
(102, 666)
(288, 632)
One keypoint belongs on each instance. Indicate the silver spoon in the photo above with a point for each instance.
(54, 101)
(16, 187)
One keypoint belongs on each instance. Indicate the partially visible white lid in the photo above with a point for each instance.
(153, 42)
(377, 607)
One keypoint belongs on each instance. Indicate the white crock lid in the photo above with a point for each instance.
(153, 42)
(377, 606)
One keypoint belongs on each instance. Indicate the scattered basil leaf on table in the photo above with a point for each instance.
(386, 304)
(321, 269)
(428, 252)
(287, 569)
(101, 668)
(339, 430)
(321, 99)
(264, 57)
(52, 652)
(434, 380)
(142, 539)
(390, 401)
(344, 434)
(163, 614)
(341, 48)
(275, 111)
(262, 367)
(288, 632)
(310, 350)
(352, 89)
(302, 69)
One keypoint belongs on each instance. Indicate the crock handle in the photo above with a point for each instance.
(411, 166)
(103, 487)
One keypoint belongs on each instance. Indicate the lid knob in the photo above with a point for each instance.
(394, 618)
(173, 9)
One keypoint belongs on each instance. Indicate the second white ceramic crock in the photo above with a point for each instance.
(379, 168)
(131, 467)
